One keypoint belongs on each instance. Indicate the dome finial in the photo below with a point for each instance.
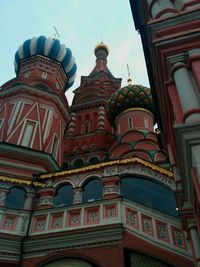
(99, 47)
(129, 80)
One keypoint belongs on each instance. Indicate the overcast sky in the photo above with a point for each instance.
(81, 25)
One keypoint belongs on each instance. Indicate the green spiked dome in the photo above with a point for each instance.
(130, 96)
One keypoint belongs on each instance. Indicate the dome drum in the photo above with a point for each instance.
(131, 96)
(51, 49)
(42, 70)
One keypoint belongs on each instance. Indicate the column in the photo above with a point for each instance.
(194, 59)
(111, 187)
(3, 195)
(77, 195)
(101, 118)
(187, 92)
(161, 8)
(45, 198)
(71, 129)
(28, 202)
(196, 242)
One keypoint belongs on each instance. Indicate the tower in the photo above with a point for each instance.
(34, 109)
(89, 133)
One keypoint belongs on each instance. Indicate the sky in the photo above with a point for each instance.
(81, 24)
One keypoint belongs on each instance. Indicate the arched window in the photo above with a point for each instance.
(65, 165)
(78, 163)
(149, 194)
(86, 127)
(130, 123)
(92, 190)
(70, 262)
(15, 198)
(93, 160)
(64, 195)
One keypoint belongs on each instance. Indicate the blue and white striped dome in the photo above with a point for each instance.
(50, 48)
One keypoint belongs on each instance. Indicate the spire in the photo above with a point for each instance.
(129, 80)
(101, 52)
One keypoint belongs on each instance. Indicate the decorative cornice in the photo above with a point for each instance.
(19, 181)
(134, 109)
(45, 59)
(106, 164)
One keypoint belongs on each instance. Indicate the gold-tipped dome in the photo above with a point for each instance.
(130, 96)
(101, 46)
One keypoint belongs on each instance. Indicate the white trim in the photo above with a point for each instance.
(48, 124)
(55, 137)
(20, 112)
(13, 115)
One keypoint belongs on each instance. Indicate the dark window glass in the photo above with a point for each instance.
(149, 194)
(15, 198)
(92, 190)
(94, 160)
(64, 196)
(65, 165)
(138, 260)
(78, 163)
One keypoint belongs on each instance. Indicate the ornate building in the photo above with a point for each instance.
(92, 184)
(170, 33)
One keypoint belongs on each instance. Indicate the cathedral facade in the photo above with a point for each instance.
(94, 184)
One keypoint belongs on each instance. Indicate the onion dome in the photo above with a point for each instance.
(49, 48)
(130, 96)
(101, 46)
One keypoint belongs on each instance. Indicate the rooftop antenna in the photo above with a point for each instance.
(129, 75)
(56, 34)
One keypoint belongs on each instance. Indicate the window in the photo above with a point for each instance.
(69, 262)
(27, 137)
(130, 123)
(57, 85)
(65, 165)
(78, 163)
(149, 194)
(44, 75)
(93, 160)
(86, 127)
(93, 190)
(55, 147)
(64, 195)
(15, 198)
(146, 123)
(27, 74)
(119, 129)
